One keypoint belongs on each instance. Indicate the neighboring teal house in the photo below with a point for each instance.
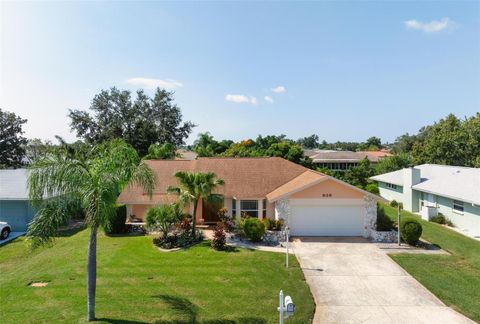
(429, 189)
(14, 204)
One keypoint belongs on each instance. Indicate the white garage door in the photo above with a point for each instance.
(326, 220)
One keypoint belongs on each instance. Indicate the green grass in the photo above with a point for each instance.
(455, 278)
(136, 283)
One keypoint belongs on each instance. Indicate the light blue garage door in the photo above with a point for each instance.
(18, 213)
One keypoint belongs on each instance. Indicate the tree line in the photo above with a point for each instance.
(154, 127)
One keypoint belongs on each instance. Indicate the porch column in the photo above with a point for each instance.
(260, 208)
(237, 207)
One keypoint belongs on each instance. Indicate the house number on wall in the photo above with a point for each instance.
(326, 195)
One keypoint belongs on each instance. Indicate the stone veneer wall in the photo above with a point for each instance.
(283, 210)
(274, 237)
(384, 236)
(370, 216)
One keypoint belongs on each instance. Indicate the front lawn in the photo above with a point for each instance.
(137, 283)
(454, 279)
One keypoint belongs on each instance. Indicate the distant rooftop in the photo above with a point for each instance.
(13, 184)
(326, 156)
(186, 155)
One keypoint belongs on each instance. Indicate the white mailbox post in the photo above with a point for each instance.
(286, 307)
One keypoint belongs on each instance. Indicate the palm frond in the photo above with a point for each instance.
(54, 213)
(144, 177)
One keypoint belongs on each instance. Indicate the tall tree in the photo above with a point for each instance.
(195, 186)
(309, 142)
(205, 145)
(404, 143)
(12, 142)
(371, 144)
(443, 143)
(36, 149)
(359, 174)
(160, 152)
(393, 163)
(140, 122)
(64, 179)
(471, 128)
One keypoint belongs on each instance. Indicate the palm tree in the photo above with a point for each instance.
(196, 186)
(67, 179)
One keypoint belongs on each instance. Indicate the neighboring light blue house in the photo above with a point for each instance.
(429, 189)
(14, 204)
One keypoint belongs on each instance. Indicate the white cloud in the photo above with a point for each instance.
(239, 98)
(279, 89)
(268, 99)
(430, 27)
(154, 83)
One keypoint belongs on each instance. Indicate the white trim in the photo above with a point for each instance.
(327, 202)
(16, 199)
(320, 180)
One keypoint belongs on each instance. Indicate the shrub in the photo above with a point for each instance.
(411, 230)
(372, 188)
(219, 238)
(227, 221)
(163, 217)
(254, 229)
(395, 203)
(184, 225)
(384, 223)
(272, 224)
(441, 219)
(116, 225)
(178, 239)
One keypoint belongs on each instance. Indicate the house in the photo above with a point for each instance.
(183, 154)
(343, 160)
(429, 189)
(310, 202)
(15, 207)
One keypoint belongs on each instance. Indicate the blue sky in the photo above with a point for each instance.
(342, 70)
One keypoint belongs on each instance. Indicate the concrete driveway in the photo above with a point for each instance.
(353, 281)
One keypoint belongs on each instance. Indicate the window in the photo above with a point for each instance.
(458, 206)
(391, 186)
(234, 207)
(264, 212)
(249, 207)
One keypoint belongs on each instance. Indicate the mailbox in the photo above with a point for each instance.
(289, 305)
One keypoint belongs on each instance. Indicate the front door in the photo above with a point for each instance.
(210, 211)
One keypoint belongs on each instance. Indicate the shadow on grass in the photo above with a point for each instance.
(182, 306)
(117, 321)
(70, 231)
(185, 308)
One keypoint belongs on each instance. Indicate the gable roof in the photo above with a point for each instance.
(304, 180)
(13, 184)
(454, 182)
(244, 177)
(308, 179)
(325, 156)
